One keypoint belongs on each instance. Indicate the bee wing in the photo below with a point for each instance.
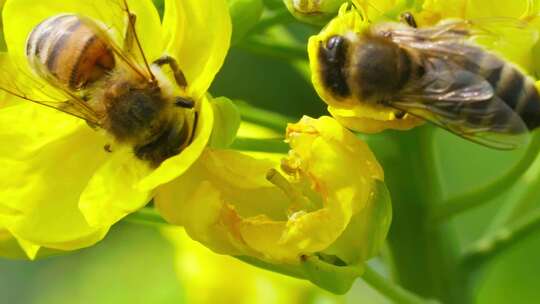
(465, 104)
(490, 123)
(26, 86)
(131, 52)
(451, 93)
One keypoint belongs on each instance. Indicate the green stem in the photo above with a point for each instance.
(481, 195)
(270, 145)
(263, 46)
(390, 290)
(499, 241)
(425, 256)
(265, 118)
(147, 216)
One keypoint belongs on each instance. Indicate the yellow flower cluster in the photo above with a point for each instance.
(324, 204)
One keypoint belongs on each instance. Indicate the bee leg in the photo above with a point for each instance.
(400, 114)
(408, 18)
(107, 148)
(129, 36)
(195, 121)
(184, 103)
(171, 62)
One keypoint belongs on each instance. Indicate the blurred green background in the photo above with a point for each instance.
(136, 263)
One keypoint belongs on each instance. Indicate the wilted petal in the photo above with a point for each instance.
(227, 203)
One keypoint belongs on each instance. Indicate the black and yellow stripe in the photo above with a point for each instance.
(512, 86)
(69, 50)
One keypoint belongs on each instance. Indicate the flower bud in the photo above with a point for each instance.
(313, 11)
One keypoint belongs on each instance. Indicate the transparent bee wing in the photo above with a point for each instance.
(26, 86)
(444, 80)
(130, 52)
(490, 122)
(460, 29)
(454, 92)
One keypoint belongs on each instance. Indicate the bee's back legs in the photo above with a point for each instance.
(178, 74)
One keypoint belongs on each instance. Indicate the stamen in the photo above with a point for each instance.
(299, 203)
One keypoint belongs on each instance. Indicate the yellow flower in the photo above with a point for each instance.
(200, 270)
(61, 188)
(326, 203)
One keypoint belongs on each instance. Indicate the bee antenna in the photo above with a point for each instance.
(132, 25)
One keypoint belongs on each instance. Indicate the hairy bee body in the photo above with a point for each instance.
(434, 74)
(136, 107)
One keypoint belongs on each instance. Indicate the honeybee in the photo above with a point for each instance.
(112, 88)
(435, 73)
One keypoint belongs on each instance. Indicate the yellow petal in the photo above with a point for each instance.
(177, 165)
(111, 193)
(197, 33)
(109, 12)
(45, 167)
(30, 249)
(11, 248)
(369, 119)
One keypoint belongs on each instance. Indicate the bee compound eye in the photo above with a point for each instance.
(334, 42)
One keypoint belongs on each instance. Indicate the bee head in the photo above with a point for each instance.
(332, 57)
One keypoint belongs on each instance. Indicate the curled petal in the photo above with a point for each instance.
(197, 33)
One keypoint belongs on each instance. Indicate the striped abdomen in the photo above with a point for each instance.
(68, 49)
(510, 84)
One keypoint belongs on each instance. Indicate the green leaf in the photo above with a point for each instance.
(336, 279)
(226, 123)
